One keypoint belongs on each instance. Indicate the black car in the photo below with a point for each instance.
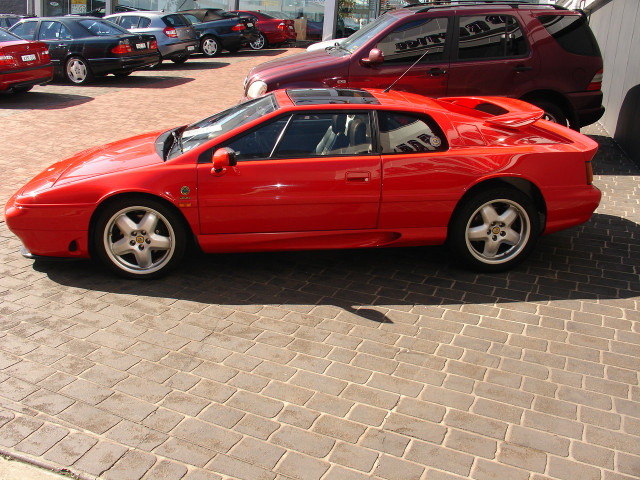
(7, 20)
(85, 47)
(218, 29)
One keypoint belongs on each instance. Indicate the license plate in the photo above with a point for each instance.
(141, 46)
(249, 24)
(28, 58)
(191, 48)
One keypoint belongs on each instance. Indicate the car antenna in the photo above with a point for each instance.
(405, 72)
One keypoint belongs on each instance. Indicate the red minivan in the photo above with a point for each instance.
(543, 54)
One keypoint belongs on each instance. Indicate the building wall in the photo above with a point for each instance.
(614, 24)
(13, 6)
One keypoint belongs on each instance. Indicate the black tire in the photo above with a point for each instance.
(77, 71)
(552, 112)
(138, 237)
(494, 230)
(260, 43)
(210, 46)
(181, 59)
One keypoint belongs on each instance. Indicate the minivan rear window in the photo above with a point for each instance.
(572, 32)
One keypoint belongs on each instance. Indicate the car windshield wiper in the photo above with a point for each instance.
(172, 141)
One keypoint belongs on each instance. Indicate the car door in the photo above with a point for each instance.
(300, 172)
(492, 57)
(58, 39)
(421, 180)
(423, 40)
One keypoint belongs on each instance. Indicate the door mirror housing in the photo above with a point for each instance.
(223, 158)
(376, 57)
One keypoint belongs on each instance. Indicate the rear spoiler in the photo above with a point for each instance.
(508, 112)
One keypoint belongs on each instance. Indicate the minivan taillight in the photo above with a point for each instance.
(596, 81)
(170, 32)
(238, 27)
(122, 48)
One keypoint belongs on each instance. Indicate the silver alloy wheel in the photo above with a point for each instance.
(77, 70)
(139, 240)
(550, 117)
(210, 47)
(260, 43)
(498, 231)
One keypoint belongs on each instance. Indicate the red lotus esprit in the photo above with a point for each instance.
(317, 169)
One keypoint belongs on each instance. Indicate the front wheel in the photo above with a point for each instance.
(494, 230)
(78, 71)
(139, 238)
(210, 47)
(259, 43)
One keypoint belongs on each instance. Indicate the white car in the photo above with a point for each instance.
(322, 45)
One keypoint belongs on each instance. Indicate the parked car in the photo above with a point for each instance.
(7, 20)
(23, 64)
(82, 48)
(219, 29)
(543, 54)
(274, 30)
(176, 37)
(303, 169)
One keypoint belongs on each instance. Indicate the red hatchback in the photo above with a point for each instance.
(274, 31)
(23, 64)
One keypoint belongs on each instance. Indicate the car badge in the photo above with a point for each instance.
(435, 142)
(185, 190)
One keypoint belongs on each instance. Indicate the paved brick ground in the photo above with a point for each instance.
(389, 364)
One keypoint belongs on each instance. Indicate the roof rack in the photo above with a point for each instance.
(462, 3)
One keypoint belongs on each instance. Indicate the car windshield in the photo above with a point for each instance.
(366, 33)
(102, 27)
(8, 37)
(212, 127)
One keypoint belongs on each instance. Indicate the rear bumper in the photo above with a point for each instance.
(179, 49)
(587, 107)
(26, 77)
(569, 207)
(102, 66)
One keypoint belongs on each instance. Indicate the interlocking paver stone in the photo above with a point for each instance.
(388, 363)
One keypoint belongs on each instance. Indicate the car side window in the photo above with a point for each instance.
(129, 21)
(192, 18)
(326, 134)
(26, 30)
(258, 143)
(49, 31)
(410, 41)
(144, 22)
(406, 133)
(490, 36)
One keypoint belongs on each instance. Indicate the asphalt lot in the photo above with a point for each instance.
(392, 364)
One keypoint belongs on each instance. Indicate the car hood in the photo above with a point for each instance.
(297, 66)
(134, 152)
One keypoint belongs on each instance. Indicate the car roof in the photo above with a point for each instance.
(138, 13)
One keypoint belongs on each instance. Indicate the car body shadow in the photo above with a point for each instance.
(38, 100)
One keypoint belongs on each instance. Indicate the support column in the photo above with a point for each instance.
(234, 4)
(330, 19)
(109, 7)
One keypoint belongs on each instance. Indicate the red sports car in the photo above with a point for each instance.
(273, 30)
(23, 64)
(317, 169)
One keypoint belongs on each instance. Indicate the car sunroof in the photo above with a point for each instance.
(329, 96)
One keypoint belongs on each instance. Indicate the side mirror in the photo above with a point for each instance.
(375, 58)
(223, 158)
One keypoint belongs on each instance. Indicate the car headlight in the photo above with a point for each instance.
(256, 89)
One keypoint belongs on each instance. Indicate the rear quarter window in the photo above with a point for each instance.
(176, 21)
(572, 32)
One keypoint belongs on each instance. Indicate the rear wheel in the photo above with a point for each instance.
(78, 71)
(260, 43)
(139, 238)
(494, 230)
(210, 47)
(552, 112)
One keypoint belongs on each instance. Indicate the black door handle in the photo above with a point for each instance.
(436, 72)
(522, 68)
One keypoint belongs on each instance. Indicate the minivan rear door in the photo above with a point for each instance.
(491, 57)
(425, 40)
